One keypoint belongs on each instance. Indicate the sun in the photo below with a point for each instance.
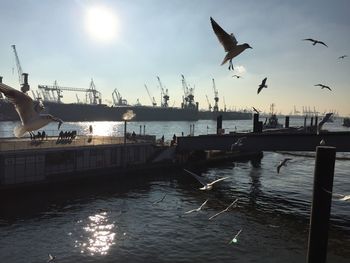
(101, 23)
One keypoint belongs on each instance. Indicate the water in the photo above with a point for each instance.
(122, 222)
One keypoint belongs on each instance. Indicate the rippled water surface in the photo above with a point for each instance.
(142, 219)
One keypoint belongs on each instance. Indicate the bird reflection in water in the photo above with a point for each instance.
(101, 235)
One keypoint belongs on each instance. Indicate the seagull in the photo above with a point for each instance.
(161, 200)
(229, 43)
(315, 41)
(234, 239)
(223, 211)
(323, 121)
(206, 186)
(262, 85)
(341, 197)
(51, 258)
(237, 76)
(342, 57)
(282, 163)
(323, 86)
(28, 111)
(322, 142)
(238, 143)
(257, 111)
(197, 209)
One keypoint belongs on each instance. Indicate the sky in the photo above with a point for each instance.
(125, 44)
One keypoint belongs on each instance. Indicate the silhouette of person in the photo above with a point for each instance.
(43, 135)
(90, 128)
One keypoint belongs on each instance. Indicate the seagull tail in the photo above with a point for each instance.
(19, 131)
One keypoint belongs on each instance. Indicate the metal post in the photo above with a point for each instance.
(256, 122)
(218, 124)
(286, 123)
(321, 204)
(193, 130)
(305, 123)
(316, 121)
(312, 122)
(140, 130)
(144, 129)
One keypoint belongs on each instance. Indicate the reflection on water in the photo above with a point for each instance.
(100, 235)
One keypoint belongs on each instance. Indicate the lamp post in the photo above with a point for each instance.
(127, 116)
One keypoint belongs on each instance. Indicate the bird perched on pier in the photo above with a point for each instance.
(197, 209)
(282, 163)
(314, 42)
(342, 57)
(323, 86)
(229, 43)
(28, 111)
(206, 186)
(262, 85)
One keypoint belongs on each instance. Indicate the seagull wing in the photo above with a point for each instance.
(218, 180)
(203, 204)
(199, 179)
(260, 88)
(322, 43)
(263, 83)
(309, 39)
(23, 103)
(325, 119)
(228, 41)
(321, 85)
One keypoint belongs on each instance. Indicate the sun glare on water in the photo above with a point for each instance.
(101, 23)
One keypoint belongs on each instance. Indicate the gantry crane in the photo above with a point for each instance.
(93, 95)
(22, 77)
(209, 104)
(164, 94)
(188, 99)
(153, 101)
(216, 97)
(117, 99)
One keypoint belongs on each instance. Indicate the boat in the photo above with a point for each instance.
(271, 122)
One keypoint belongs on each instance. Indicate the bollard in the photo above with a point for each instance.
(218, 124)
(321, 204)
(256, 122)
(286, 123)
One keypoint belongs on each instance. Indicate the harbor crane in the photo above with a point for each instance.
(164, 94)
(188, 99)
(22, 77)
(153, 101)
(216, 98)
(117, 99)
(93, 96)
(224, 103)
(209, 105)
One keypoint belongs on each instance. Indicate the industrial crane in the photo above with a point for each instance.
(208, 102)
(22, 77)
(164, 94)
(91, 93)
(188, 99)
(224, 103)
(153, 101)
(216, 97)
(117, 99)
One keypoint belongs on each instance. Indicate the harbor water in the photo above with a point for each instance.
(144, 219)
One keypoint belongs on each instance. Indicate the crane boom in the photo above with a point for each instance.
(18, 64)
(153, 101)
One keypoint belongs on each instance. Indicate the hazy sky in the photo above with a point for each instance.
(128, 43)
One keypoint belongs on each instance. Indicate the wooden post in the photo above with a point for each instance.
(305, 123)
(316, 121)
(312, 122)
(256, 122)
(218, 124)
(321, 204)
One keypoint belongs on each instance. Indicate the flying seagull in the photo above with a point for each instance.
(323, 121)
(161, 200)
(262, 85)
(342, 57)
(28, 111)
(234, 239)
(341, 197)
(206, 186)
(223, 211)
(257, 111)
(323, 86)
(237, 76)
(282, 163)
(238, 143)
(51, 258)
(197, 209)
(314, 42)
(229, 43)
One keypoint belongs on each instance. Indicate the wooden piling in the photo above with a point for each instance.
(218, 124)
(321, 204)
(286, 123)
(312, 122)
(256, 122)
